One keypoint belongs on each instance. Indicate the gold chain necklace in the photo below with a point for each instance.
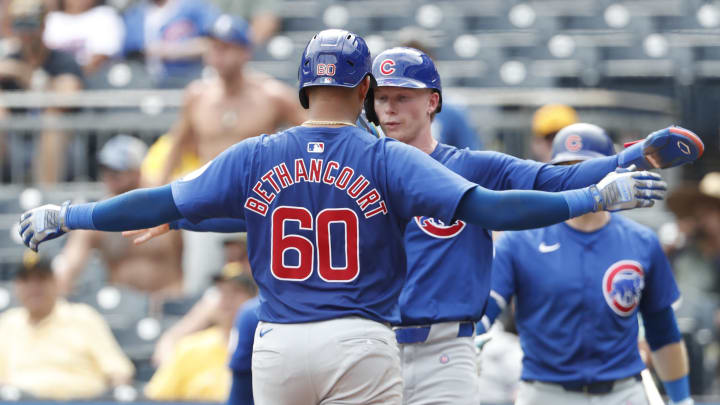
(327, 123)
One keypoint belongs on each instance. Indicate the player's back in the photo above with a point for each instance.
(325, 242)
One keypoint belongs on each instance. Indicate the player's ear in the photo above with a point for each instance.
(433, 102)
(364, 87)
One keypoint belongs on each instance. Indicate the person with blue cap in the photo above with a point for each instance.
(579, 287)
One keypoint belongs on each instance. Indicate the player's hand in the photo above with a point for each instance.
(143, 235)
(623, 190)
(669, 147)
(42, 224)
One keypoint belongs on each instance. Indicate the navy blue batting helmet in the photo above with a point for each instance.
(405, 67)
(581, 141)
(333, 58)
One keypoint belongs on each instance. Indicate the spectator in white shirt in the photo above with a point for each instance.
(92, 33)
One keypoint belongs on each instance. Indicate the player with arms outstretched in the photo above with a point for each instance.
(579, 286)
(325, 205)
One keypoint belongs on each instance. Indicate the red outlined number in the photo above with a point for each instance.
(324, 69)
(349, 220)
(281, 243)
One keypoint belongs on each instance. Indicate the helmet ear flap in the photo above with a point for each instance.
(304, 102)
(370, 113)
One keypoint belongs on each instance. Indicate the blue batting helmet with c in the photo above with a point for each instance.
(406, 67)
(333, 58)
(581, 141)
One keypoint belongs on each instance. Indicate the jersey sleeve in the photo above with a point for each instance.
(419, 185)
(660, 289)
(244, 334)
(498, 171)
(216, 190)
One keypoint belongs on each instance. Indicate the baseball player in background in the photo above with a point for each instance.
(448, 264)
(579, 286)
(325, 205)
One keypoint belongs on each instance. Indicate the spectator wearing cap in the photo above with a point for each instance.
(27, 64)
(168, 35)
(262, 15)
(92, 32)
(155, 267)
(546, 122)
(693, 244)
(197, 370)
(53, 349)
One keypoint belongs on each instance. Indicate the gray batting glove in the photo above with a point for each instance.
(624, 190)
(42, 224)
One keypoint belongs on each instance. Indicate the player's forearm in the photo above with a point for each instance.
(671, 362)
(221, 225)
(668, 352)
(520, 209)
(137, 209)
(558, 178)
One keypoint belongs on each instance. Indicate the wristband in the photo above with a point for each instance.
(80, 216)
(678, 390)
(581, 201)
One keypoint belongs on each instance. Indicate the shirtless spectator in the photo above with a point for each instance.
(28, 65)
(154, 267)
(93, 33)
(235, 105)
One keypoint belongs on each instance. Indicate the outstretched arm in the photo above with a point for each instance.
(520, 209)
(669, 147)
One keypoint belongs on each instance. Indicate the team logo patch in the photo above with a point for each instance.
(573, 143)
(386, 67)
(437, 229)
(316, 147)
(622, 286)
(444, 359)
(684, 148)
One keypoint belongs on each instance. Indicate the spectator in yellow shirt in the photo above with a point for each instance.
(198, 369)
(53, 349)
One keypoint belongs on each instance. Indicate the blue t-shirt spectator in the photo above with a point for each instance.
(168, 34)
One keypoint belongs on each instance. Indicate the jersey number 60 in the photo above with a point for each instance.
(306, 249)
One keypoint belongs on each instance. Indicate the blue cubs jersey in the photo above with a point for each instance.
(578, 295)
(325, 210)
(243, 336)
(449, 263)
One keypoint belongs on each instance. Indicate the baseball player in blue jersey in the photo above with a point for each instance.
(448, 264)
(325, 205)
(579, 286)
